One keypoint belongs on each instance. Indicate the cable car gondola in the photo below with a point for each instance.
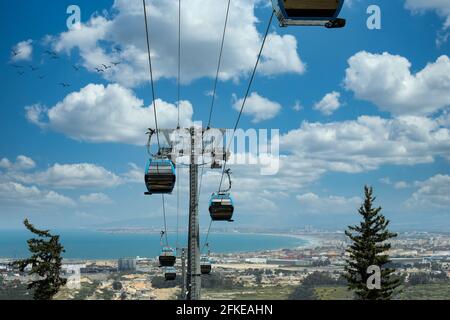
(221, 205)
(309, 13)
(170, 273)
(167, 257)
(160, 176)
(205, 265)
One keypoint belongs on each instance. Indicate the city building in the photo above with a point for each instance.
(127, 264)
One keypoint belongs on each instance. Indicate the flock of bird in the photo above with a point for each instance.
(54, 56)
(105, 67)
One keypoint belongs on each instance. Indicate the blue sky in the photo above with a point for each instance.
(353, 106)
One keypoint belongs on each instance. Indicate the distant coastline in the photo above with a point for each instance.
(312, 241)
(117, 243)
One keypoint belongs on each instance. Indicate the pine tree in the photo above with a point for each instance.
(368, 248)
(45, 261)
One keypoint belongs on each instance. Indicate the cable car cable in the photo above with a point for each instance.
(247, 93)
(179, 62)
(216, 80)
(228, 172)
(213, 99)
(165, 222)
(219, 64)
(154, 106)
(225, 170)
(178, 123)
(151, 74)
(207, 236)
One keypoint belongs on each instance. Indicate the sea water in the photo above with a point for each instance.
(84, 244)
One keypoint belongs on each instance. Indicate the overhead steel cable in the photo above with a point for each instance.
(213, 99)
(246, 95)
(178, 122)
(151, 74)
(154, 109)
(165, 221)
(207, 236)
(219, 64)
(242, 108)
(179, 63)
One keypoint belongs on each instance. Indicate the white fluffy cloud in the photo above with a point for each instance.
(258, 107)
(267, 194)
(69, 176)
(107, 114)
(202, 25)
(21, 163)
(313, 203)
(280, 56)
(22, 51)
(368, 143)
(134, 174)
(20, 188)
(329, 103)
(66, 176)
(386, 180)
(401, 185)
(397, 184)
(246, 180)
(16, 194)
(361, 145)
(387, 81)
(432, 193)
(95, 198)
(76, 176)
(441, 7)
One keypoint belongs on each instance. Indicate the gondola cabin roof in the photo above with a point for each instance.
(205, 260)
(170, 270)
(309, 12)
(221, 207)
(221, 198)
(156, 165)
(167, 251)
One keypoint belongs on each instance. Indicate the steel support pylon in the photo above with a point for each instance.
(183, 273)
(193, 282)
